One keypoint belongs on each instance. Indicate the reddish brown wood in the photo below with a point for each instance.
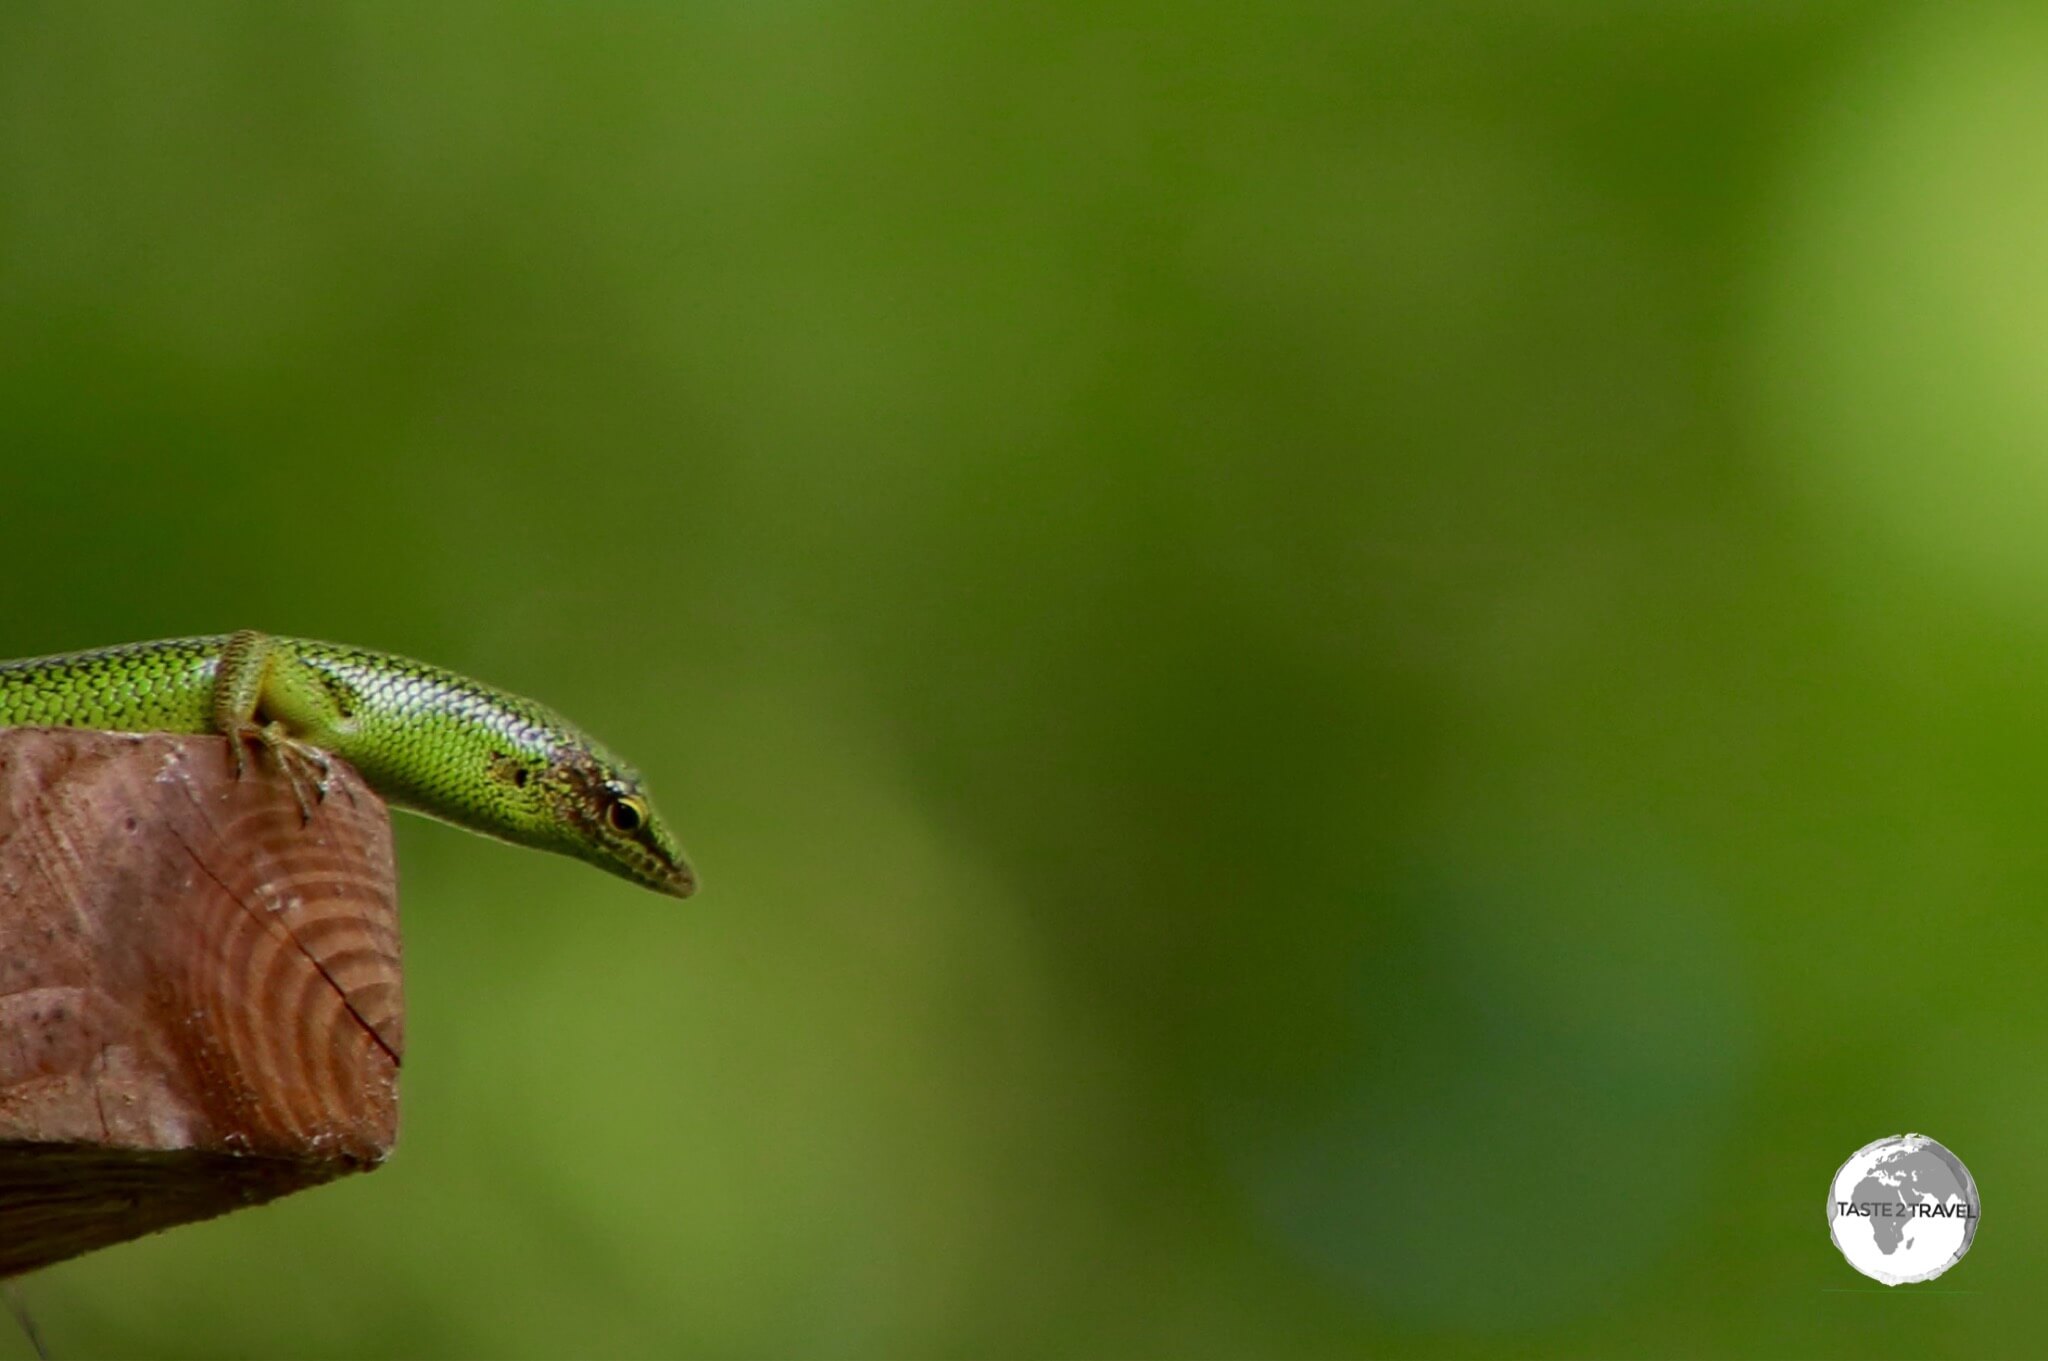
(199, 993)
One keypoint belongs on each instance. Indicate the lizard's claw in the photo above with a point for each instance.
(305, 767)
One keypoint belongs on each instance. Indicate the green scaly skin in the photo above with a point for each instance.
(426, 739)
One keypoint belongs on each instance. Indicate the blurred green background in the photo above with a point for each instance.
(1359, 679)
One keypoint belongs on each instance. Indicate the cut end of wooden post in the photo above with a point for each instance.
(199, 990)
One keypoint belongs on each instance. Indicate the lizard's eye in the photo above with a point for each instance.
(626, 813)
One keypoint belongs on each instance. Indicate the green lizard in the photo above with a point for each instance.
(426, 739)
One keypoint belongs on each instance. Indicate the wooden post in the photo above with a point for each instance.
(199, 992)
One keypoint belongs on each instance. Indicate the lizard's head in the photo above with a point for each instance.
(593, 806)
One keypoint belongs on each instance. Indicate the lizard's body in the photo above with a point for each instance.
(426, 739)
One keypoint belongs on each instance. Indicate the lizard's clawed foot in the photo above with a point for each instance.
(306, 767)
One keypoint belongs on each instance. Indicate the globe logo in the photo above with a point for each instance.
(1903, 1209)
